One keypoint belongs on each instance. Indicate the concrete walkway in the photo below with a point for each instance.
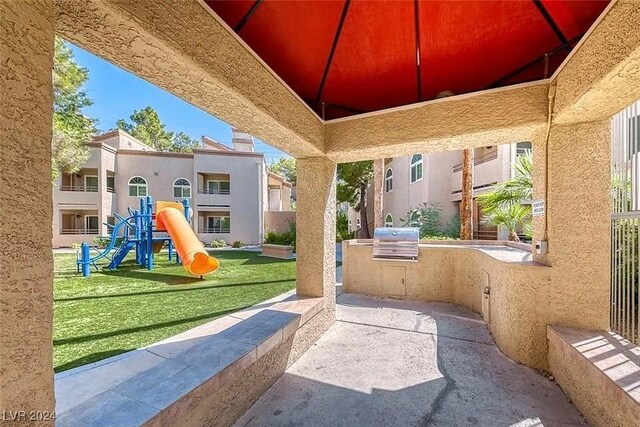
(396, 363)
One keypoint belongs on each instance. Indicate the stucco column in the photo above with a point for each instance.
(578, 215)
(316, 228)
(26, 261)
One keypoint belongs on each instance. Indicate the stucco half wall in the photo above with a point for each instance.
(278, 221)
(515, 309)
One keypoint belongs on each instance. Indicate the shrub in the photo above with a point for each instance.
(101, 242)
(342, 227)
(237, 244)
(438, 237)
(453, 227)
(287, 238)
(218, 243)
(427, 217)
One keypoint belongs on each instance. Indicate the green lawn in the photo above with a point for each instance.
(112, 312)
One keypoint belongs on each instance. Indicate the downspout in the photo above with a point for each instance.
(552, 98)
(260, 202)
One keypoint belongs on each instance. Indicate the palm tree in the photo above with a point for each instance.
(505, 205)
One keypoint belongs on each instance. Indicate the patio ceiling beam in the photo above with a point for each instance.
(490, 117)
(187, 50)
(602, 75)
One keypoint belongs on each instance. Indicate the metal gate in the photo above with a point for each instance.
(625, 222)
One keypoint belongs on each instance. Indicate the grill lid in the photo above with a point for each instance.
(396, 243)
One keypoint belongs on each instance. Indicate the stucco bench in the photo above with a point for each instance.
(277, 251)
(162, 383)
(599, 371)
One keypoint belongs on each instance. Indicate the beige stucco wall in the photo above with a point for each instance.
(519, 292)
(603, 401)
(578, 210)
(245, 201)
(453, 123)
(278, 221)
(26, 261)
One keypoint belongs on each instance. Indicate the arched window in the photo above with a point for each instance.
(416, 168)
(137, 187)
(357, 223)
(388, 221)
(388, 180)
(182, 188)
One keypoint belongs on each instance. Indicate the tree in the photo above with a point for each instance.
(286, 167)
(353, 179)
(466, 203)
(378, 192)
(184, 143)
(147, 127)
(72, 130)
(506, 206)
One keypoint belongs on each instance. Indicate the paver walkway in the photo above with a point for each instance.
(398, 363)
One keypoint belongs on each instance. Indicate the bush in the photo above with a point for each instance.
(438, 237)
(218, 243)
(287, 238)
(237, 244)
(101, 242)
(342, 227)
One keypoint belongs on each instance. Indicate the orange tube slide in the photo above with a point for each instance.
(195, 258)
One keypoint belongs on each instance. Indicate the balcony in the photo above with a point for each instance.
(68, 231)
(226, 191)
(478, 160)
(80, 188)
(215, 230)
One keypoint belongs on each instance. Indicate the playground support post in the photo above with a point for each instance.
(149, 229)
(86, 264)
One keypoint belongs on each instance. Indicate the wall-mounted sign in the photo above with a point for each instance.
(537, 207)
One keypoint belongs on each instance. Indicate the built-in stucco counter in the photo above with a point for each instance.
(499, 281)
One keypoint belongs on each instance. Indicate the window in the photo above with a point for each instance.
(218, 187)
(358, 223)
(137, 187)
(91, 224)
(416, 168)
(111, 220)
(388, 180)
(181, 188)
(91, 183)
(218, 224)
(388, 221)
(111, 184)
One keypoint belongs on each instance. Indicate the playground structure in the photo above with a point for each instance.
(137, 232)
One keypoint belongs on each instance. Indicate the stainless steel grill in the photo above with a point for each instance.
(395, 243)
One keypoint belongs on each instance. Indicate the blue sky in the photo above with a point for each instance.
(116, 93)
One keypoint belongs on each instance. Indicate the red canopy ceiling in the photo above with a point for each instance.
(347, 57)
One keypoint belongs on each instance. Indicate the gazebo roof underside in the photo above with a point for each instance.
(350, 57)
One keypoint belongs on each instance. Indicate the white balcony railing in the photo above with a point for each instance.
(79, 231)
(217, 230)
(213, 191)
(79, 188)
(478, 160)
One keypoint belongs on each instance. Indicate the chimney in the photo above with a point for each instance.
(242, 141)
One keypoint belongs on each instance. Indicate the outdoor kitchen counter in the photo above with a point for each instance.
(498, 279)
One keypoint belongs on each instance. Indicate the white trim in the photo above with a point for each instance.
(416, 164)
(146, 185)
(388, 178)
(182, 187)
(97, 184)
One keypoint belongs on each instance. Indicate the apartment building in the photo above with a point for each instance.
(437, 178)
(230, 189)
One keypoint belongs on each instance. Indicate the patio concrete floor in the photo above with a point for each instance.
(399, 363)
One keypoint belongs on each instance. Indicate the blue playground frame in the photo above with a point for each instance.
(135, 231)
